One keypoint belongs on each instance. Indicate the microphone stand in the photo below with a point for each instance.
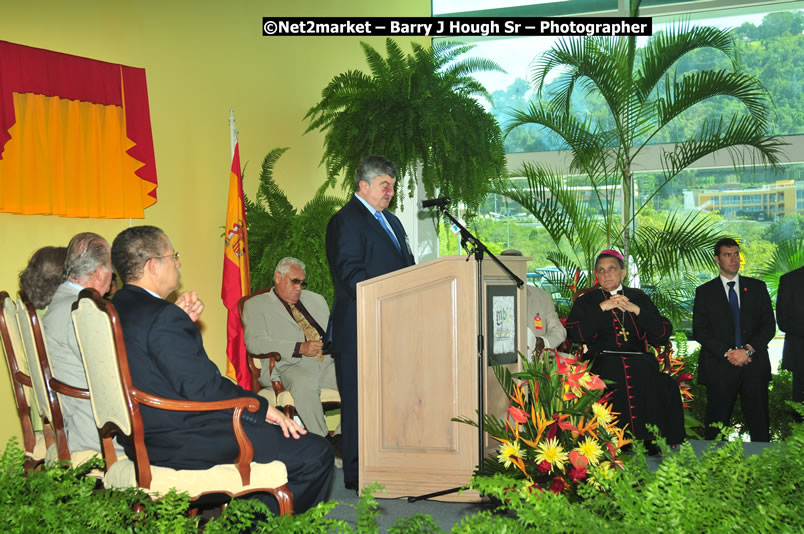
(474, 247)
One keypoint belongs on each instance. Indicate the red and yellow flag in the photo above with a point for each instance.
(236, 278)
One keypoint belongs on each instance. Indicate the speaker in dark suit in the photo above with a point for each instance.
(733, 321)
(364, 240)
(166, 357)
(790, 315)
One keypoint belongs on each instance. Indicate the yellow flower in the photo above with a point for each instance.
(551, 452)
(602, 473)
(590, 449)
(509, 451)
(602, 413)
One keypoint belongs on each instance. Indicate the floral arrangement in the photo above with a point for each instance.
(559, 431)
(673, 365)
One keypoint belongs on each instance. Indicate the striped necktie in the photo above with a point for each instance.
(384, 224)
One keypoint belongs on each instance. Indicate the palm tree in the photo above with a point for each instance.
(668, 253)
(643, 94)
(416, 109)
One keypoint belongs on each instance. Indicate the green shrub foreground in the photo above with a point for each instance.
(720, 491)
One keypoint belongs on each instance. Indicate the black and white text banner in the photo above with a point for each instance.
(456, 26)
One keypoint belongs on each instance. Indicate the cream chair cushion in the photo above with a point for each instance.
(76, 458)
(330, 395)
(40, 448)
(268, 393)
(218, 479)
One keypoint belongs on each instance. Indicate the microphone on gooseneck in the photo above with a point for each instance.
(434, 202)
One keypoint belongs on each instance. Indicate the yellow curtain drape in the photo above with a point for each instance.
(68, 157)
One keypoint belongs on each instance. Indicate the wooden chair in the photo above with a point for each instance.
(47, 389)
(33, 441)
(330, 398)
(116, 407)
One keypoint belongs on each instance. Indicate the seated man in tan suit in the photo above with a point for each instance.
(545, 330)
(291, 321)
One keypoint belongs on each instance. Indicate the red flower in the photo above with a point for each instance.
(595, 383)
(544, 466)
(576, 474)
(518, 415)
(578, 459)
(683, 377)
(558, 486)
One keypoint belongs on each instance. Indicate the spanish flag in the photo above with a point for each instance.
(236, 279)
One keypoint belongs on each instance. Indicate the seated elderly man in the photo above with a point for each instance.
(88, 264)
(291, 320)
(545, 330)
(166, 357)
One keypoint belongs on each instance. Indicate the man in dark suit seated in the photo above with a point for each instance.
(790, 315)
(364, 240)
(732, 319)
(166, 357)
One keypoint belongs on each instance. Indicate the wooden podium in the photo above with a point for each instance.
(417, 369)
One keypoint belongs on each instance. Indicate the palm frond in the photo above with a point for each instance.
(681, 244)
(665, 48)
(741, 132)
(788, 256)
(698, 86)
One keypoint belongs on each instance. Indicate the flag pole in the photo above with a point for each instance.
(232, 132)
(236, 277)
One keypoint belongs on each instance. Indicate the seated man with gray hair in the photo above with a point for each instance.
(166, 357)
(291, 321)
(88, 264)
(545, 330)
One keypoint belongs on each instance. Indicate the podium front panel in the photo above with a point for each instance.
(417, 369)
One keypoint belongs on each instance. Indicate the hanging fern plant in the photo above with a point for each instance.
(416, 109)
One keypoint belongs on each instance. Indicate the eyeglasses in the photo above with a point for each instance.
(297, 282)
(175, 256)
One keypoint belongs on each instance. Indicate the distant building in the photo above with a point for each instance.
(769, 202)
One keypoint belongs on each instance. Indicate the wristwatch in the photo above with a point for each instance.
(749, 352)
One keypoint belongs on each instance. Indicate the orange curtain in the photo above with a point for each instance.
(75, 136)
(67, 157)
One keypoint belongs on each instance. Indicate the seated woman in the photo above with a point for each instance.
(617, 324)
(43, 275)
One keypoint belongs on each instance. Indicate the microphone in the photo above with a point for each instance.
(434, 202)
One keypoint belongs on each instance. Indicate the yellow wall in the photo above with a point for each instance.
(201, 59)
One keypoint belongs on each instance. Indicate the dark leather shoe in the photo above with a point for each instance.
(652, 448)
(351, 485)
(337, 445)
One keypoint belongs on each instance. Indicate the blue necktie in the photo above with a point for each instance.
(734, 304)
(387, 228)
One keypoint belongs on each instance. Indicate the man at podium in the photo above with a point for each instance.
(364, 240)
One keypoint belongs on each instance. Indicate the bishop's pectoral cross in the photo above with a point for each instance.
(624, 333)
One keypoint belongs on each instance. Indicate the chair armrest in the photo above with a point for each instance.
(249, 403)
(24, 379)
(272, 358)
(246, 454)
(60, 387)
